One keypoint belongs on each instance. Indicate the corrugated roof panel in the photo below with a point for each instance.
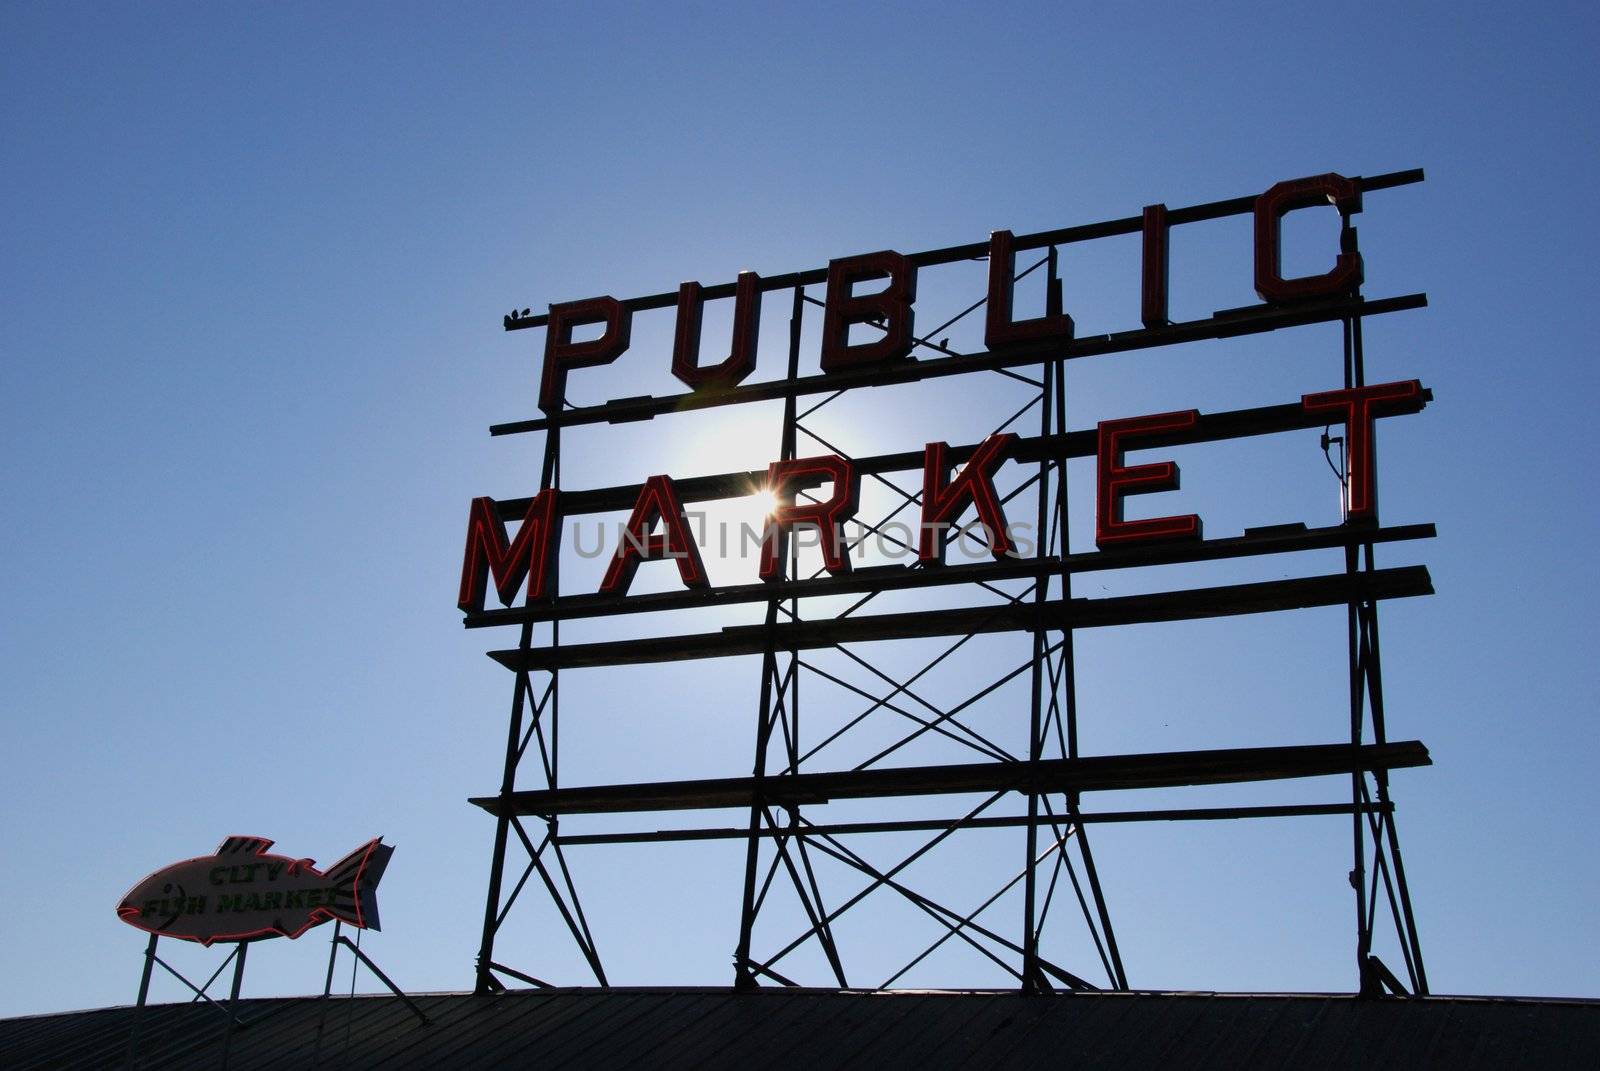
(722, 1017)
(629, 1022)
(767, 1030)
(1225, 1024)
(695, 1022)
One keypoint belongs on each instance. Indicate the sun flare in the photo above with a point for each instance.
(766, 501)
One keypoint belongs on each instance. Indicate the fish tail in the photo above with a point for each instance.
(355, 882)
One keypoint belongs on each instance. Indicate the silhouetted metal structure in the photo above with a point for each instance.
(781, 796)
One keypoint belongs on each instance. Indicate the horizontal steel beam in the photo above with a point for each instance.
(1170, 769)
(1233, 206)
(1192, 604)
(1185, 814)
(1282, 539)
(1210, 427)
(1251, 319)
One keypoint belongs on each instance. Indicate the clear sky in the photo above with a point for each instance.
(254, 267)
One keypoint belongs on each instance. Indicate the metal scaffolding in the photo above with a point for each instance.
(785, 837)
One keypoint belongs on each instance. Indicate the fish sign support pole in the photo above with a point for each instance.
(233, 1002)
(149, 968)
(333, 954)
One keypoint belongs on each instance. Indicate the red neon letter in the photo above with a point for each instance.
(999, 328)
(827, 516)
(890, 308)
(1270, 210)
(561, 353)
(746, 325)
(1357, 407)
(488, 551)
(944, 499)
(1153, 289)
(1116, 481)
(658, 501)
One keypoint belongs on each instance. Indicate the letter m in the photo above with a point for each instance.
(490, 552)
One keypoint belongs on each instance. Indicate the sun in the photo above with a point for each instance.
(766, 501)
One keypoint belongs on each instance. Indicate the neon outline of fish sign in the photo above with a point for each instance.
(242, 893)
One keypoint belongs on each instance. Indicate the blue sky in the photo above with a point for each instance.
(255, 262)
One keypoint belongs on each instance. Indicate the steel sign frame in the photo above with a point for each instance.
(783, 843)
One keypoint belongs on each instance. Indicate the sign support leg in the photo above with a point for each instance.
(149, 968)
(493, 910)
(233, 1002)
(333, 954)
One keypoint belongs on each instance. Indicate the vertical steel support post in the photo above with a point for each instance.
(1069, 670)
(1366, 684)
(486, 982)
(549, 477)
(1033, 980)
(771, 680)
(1354, 377)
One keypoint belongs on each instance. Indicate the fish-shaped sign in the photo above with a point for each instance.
(240, 893)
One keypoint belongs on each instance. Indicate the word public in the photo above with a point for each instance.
(892, 309)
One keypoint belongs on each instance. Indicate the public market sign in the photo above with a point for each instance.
(523, 564)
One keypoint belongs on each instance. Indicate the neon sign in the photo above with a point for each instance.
(240, 892)
(491, 553)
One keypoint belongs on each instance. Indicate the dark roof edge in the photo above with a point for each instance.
(778, 992)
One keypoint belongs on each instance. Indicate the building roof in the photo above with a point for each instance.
(718, 1028)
